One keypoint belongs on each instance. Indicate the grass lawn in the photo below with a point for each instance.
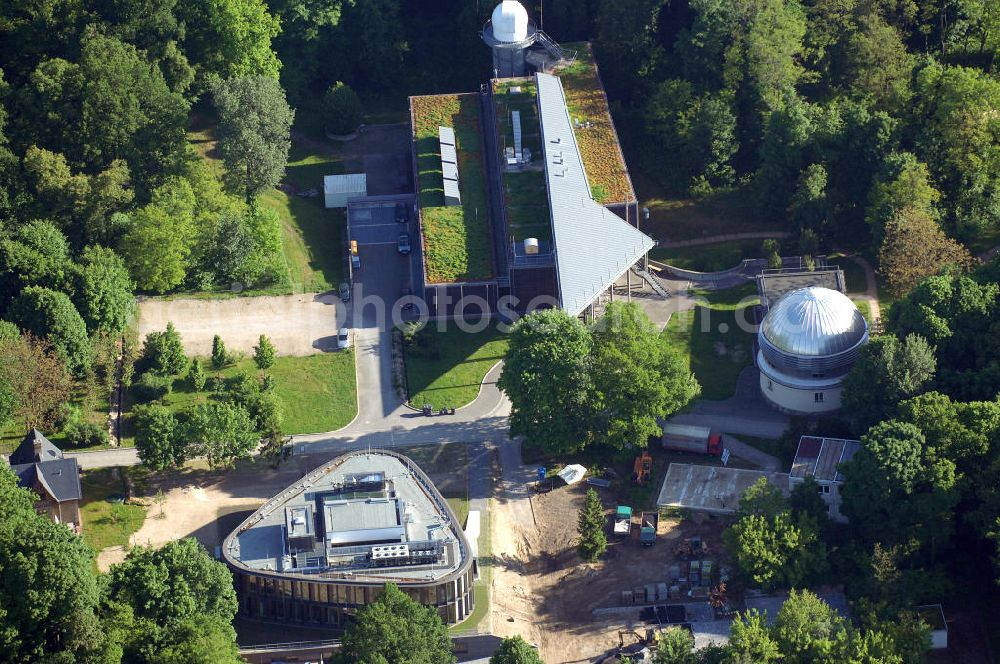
(449, 366)
(457, 238)
(527, 204)
(716, 339)
(709, 257)
(318, 392)
(94, 410)
(598, 143)
(854, 274)
(724, 212)
(107, 523)
(866, 310)
(312, 243)
(481, 588)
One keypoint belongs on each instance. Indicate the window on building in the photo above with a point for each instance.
(826, 489)
(770, 384)
(818, 397)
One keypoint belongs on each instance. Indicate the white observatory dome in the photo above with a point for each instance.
(510, 22)
(814, 322)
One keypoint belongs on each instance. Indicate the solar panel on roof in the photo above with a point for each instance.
(446, 135)
(451, 193)
(450, 170)
(448, 153)
(515, 120)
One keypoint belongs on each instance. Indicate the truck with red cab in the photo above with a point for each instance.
(694, 439)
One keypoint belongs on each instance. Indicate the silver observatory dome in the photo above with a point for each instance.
(814, 331)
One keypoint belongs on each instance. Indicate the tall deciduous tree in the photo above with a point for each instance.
(158, 243)
(39, 379)
(547, 378)
(515, 650)
(158, 438)
(590, 527)
(229, 38)
(638, 378)
(163, 352)
(254, 125)
(808, 630)
(674, 645)
(183, 602)
(915, 247)
(103, 290)
(37, 254)
(888, 371)
(771, 545)
(223, 432)
(48, 592)
(750, 639)
(52, 316)
(897, 491)
(394, 628)
(903, 183)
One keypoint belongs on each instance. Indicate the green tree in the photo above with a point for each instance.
(229, 38)
(515, 650)
(263, 353)
(887, 371)
(675, 645)
(915, 247)
(750, 640)
(342, 108)
(157, 245)
(254, 125)
(183, 601)
(103, 291)
(223, 432)
(808, 630)
(959, 120)
(37, 254)
(547, 378)
(808, 207)
(639, 379)
(196, 375)
(878, 66)
(372, 33)
(84, 205)
(220, 356)
(48, 590)
(40, 379)
(903, 183)
(590, 527)
(52, 316)
(157, 438)
(163, 352)
(771, 545)
(111, 104)
(394, 628)
(896, 490)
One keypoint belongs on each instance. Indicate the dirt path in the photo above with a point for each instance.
(297, 324)
(871, 290)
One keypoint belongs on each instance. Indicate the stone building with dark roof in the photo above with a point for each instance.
(41, 467)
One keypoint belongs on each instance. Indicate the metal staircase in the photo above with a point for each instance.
(550, 46)
(653, 282)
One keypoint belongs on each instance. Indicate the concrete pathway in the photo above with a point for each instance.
(750, 453)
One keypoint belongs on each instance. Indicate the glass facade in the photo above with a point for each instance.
(329, 603)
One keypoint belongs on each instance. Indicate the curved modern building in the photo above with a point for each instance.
(327, 545)
(808, 342)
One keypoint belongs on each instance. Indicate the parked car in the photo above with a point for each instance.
(401, 214)
(343, 338)
(344, 291)
(403, 245)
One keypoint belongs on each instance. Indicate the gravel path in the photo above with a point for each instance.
(297, 324)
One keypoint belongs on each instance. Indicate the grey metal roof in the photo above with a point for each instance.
(59, 477)
(594, 246)
(25, 452)
(814, 322)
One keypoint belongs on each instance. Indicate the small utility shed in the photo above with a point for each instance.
(338, 189)
(713, 489)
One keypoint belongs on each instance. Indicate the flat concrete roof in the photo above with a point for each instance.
(714, 489)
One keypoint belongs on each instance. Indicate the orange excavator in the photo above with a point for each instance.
(642, 469)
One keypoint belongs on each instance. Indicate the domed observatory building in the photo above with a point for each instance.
(808, 342)
(510, 33)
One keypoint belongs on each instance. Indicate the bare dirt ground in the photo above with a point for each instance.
(300, 324)
(208, 504)
(543, 591)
